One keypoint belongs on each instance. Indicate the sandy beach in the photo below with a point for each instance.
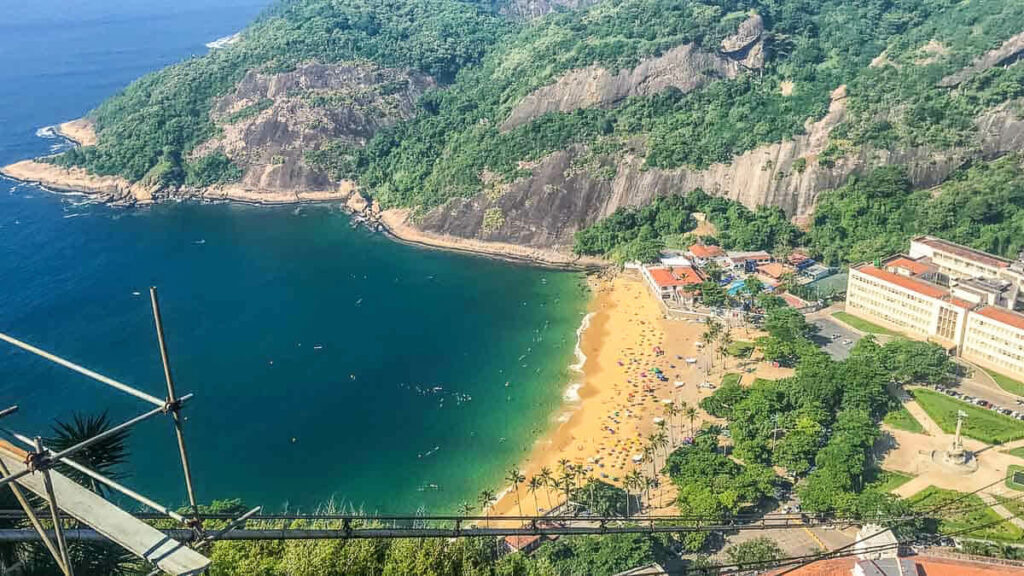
(621, 399)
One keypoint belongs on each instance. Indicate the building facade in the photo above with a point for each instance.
(959, 298)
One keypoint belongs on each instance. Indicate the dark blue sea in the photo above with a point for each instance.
(326, 361)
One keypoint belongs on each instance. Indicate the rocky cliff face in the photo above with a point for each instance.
(528, 9)
(1008, 53)
(545, 209)
(684, 68)
(269, 122)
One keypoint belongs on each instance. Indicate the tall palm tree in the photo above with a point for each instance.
(548, 479)
(683, 407)
(670, 413)
(465, 508)
(691, 413)
(724, 341)
(711, 332)
(565, 481)
(632, 481)
(104, 456)
(648, 456)
(515, 477)
(487, 500)
(661, 441)
(535, 483)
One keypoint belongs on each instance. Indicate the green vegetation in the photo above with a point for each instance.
(1018, 452)
(640, 233)
(161, 117)
(711, 486)
(901, 419)
(888, 480)
(968, 511)
(985, 425)
(487, 65)
(1010, 471)
(731, 379)
(874, 215)
(761, 549)
(249, 111)
(1006, 383)
(820, 424)
(572, 556)
(740, 349)
(863, 325)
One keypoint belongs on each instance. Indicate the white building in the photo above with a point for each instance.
(930, 294)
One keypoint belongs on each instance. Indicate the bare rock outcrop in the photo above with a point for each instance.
(745, 45)
(108, 189)
(685, 68)
(270, 121)
(529, 9)
(545, 209)
(1011, 51)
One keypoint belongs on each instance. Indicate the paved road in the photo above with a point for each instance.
(835, 347)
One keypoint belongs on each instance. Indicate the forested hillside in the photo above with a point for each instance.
(536, 128)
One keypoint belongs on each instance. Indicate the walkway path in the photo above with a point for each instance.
(929, 425)
(989, 499)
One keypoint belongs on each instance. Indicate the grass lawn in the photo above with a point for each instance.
(731, 378)
(985, 425)
(1011, 503)
(901, 419)
(1009, 477)
(740, 349)
(863, 325)
(1006, 383)
(887, 480)
(971, 511)
(1018, 452)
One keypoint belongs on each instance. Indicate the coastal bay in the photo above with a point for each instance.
(328, 362)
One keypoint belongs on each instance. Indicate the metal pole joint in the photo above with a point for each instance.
(172, 406)
(38, 461)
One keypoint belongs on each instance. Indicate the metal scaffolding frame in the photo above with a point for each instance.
(23, 468)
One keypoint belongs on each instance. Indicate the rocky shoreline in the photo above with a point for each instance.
(396, 223)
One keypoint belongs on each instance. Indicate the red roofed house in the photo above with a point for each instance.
(670, 283)
(702, 254)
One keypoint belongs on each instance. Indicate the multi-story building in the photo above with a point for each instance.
(960, 298)
(906, 303)
(995, 339)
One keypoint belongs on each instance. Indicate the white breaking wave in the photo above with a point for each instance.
(581, 358)
(48, 132)
(224, 42)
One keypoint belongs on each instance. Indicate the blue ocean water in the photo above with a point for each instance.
(327, 361)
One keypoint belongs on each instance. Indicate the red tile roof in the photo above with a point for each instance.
(522, 541)
(965, 252)
(914, 267)
(774, 270)
(961, 303)
(1003, 315)
(705, 252)
(834, 567)
(923, 288)
(930, 566)
(926, 566)
(794, 301)
(677, 276)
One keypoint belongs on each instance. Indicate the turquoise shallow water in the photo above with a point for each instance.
(326, 361)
